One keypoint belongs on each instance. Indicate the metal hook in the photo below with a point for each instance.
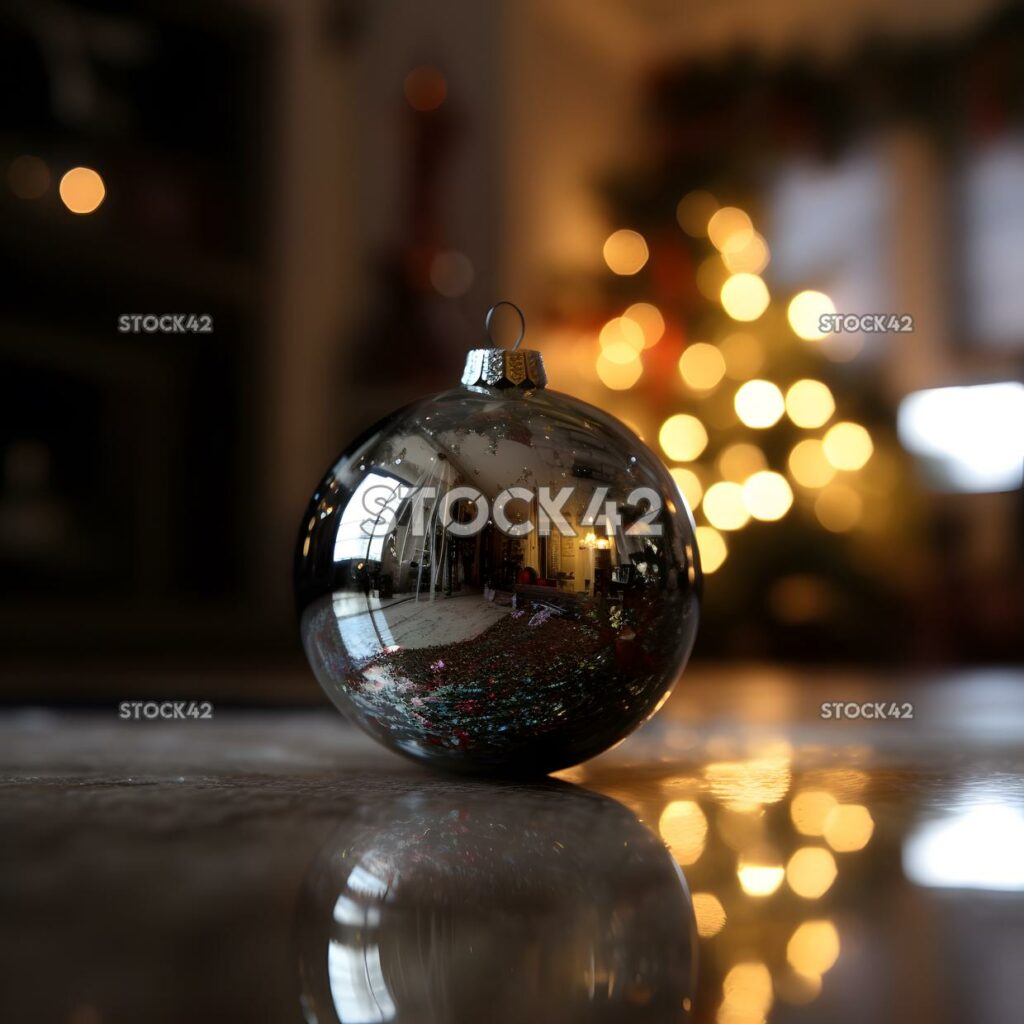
(490, 316)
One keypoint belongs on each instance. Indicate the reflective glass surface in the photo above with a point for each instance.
(498, 580)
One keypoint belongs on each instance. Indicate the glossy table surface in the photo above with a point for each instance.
(274, 865)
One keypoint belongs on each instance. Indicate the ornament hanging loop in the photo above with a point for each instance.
(490, 317)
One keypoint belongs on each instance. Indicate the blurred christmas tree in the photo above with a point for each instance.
(784, 448)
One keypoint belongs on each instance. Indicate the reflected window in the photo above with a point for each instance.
(368, 517)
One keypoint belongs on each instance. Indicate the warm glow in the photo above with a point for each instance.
(805, 311)
(759, 404)
(710, 914)
(739, 461)
(848, 827)
(747, 994)
(740, 829)
(847, 445)
(809, 403)
(762, 780)
(767, 496)
(81, 190)
(684, 828)
(649, 319)
(811, 872)
(28, 176)
(712, 548)
(808, 464)
(689, 485)
(809, 809)
(702, 366)
(744, 355)
(730, 229)
(839, 507)
(621, 340)
(745, 296)
(683, 437)
(813, 948)
(760, 879)
(724, 506)
(751, 258)
(694, 211)
(425, 89)
(711, 275)
(625, 251)
(796, 988)
(618, 376)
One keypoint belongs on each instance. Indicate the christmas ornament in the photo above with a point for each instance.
(467, 903)
(498, 577)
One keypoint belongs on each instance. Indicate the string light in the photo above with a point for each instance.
(649, 319)
(730, 229)
(767, 496)
(694, 211)
(745, 296)
(741, 460)
(683, 437)
(808, 465)
(744, 355)
(805, 312)
(809, 810)
(752, 258)
(618, 376)
(625, 252)
(848, 827)
(759, 404)
(724, 506)
(809, 403)
(683, 827)
(710, 914)
(847, 446)
(689, 485)
(621, 340)
(760, 879)
(838, 507)
(811, 872)
(813, 947)
(713, 549)
(82, 190)
(702, 366)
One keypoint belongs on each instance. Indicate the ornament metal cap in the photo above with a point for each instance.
(504, 368)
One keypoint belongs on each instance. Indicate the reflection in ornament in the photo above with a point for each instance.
(477, 903)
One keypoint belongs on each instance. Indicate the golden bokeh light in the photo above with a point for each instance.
(805, 312)
(712, 273)
(701, 366)
(710, 914)
(649, 319)
(689, 485)
(744, 296)
(811, 872)
(425, 89)
(809, 809)
(82, 190)
(848, 827)
(808, 465)
(767, 495)
(759, 404)
(28, 176)
(739, 461)
(744, 355)
(751, 258)
(730, 229)
(747, 994)
(621, 340)
(618, 376)
(813, 947)
(847, 445)
(684, 828)
(625, 252)
(740, 829)
(759, 879)
(694, 211)
(839, 507)
(797, 989)
(739, 784)
(682, 437)
(809, 403)
(713, 549)
(724, 506)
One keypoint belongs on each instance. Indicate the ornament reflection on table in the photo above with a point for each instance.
(467, 903)
(498, 578)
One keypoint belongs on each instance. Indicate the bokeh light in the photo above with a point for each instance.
(730, 229)
(811, 872)
(82, 190)
(744, 355)
(839, 507)
(689, 485)
(694, 211)
(621, 340)
(724, 506)
(808, 465)
(759, 879)
(848, 827)
(847, 445)
(746, 994)
(809, 809)
(809, 403)
(712, 273)
(649, 319)
(701, 366)
(618, 376)
(682, 437)
(28, 177)
(740, 461)
(744, 296)
(712, 547)
(710, 914)
(741, 784)
(759, 404)
(813, 947)
(625, 252)
(767, 495)
(805, 312)
(684, 828)
(751, 258)
(425, 89)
